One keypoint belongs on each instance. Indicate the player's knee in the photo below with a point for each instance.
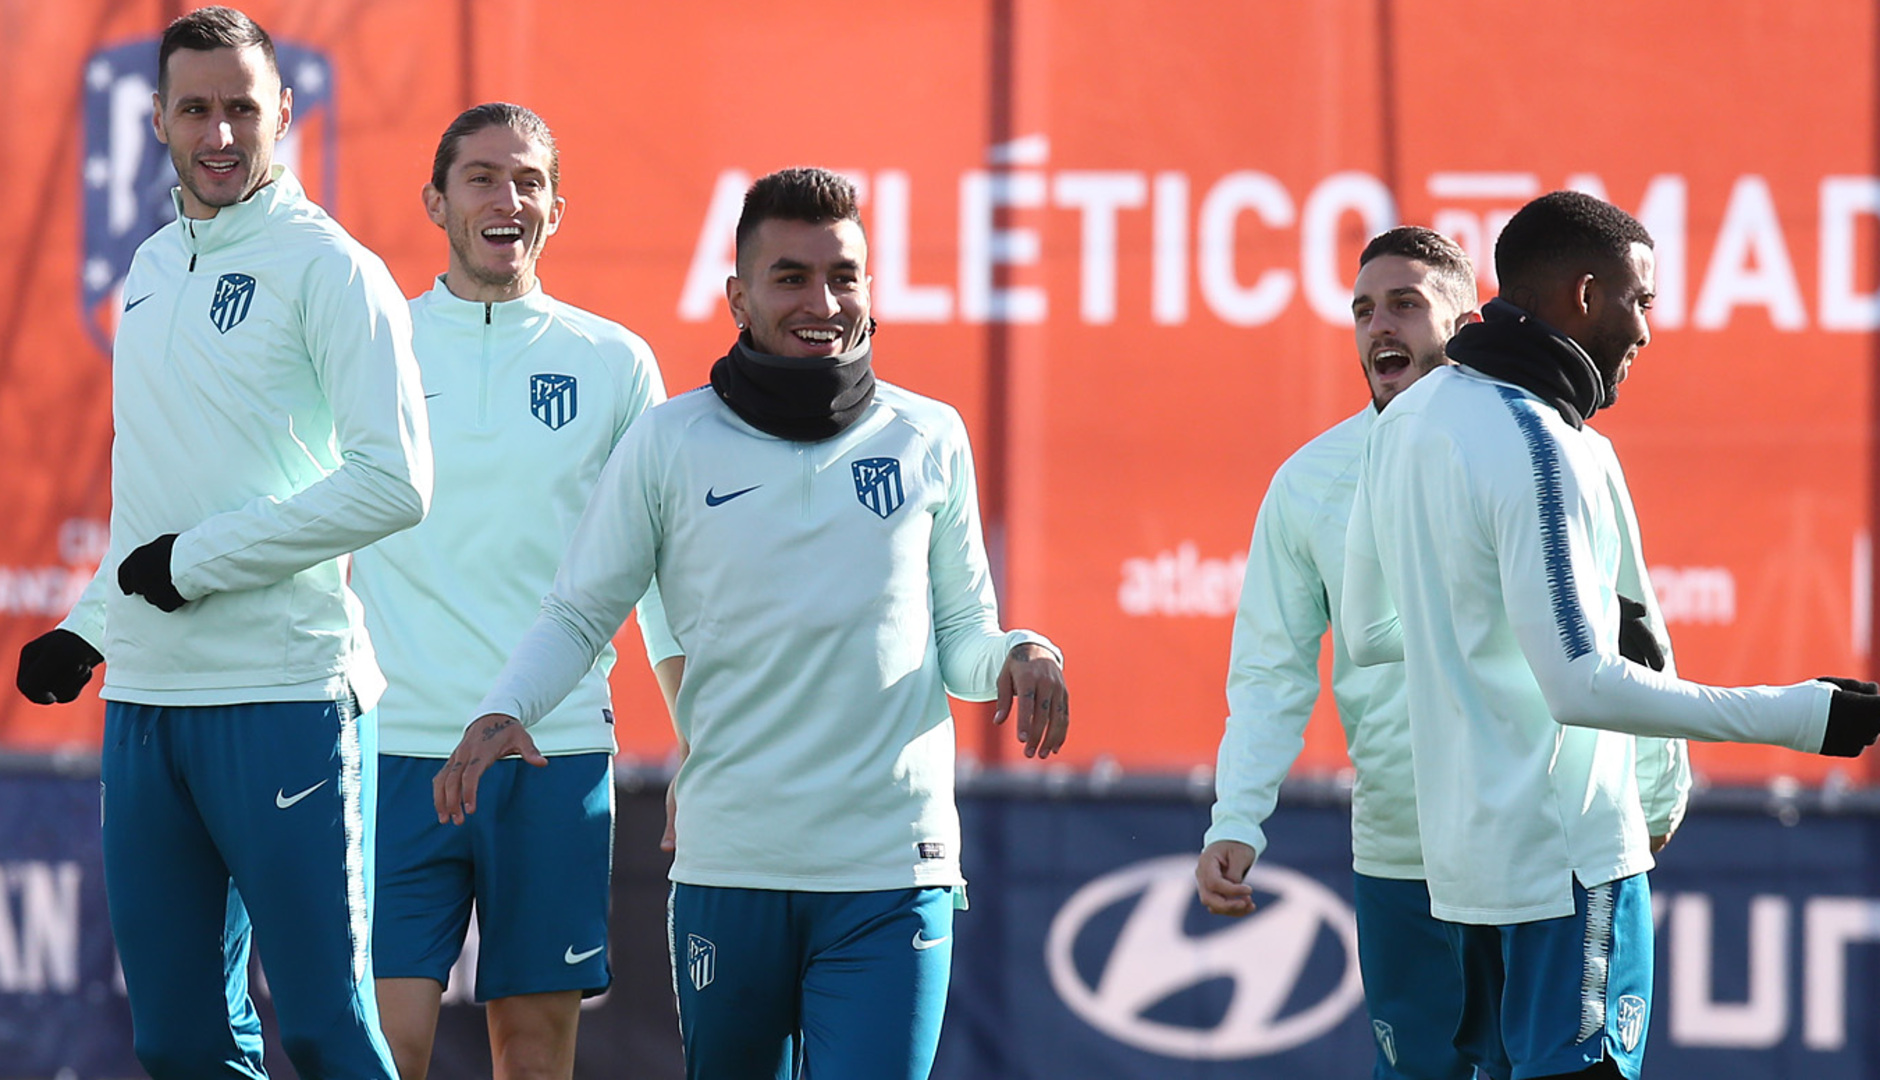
(316, 1055)
(546, 1054)
(169, 1052)
(306, 1052)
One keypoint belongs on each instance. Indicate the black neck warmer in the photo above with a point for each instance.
(1511, 345)
(805, 399)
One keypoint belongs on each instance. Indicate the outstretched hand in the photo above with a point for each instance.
(1853, 717)
(1031, 684)
(492, 737)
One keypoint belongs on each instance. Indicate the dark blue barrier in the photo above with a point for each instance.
(1084, 954)
(61, 998)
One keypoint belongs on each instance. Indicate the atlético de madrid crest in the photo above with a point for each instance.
(234, 295)
(552, 399)
(878, 484)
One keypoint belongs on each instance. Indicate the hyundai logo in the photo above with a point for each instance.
(1153, 957)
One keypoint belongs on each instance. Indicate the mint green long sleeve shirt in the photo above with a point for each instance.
(527, 399)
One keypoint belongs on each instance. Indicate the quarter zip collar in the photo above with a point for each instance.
(457, 311)
(242, 221)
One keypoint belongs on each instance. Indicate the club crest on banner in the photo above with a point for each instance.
(552, 399)
(234, 295)
(125, 174)
(878, 484)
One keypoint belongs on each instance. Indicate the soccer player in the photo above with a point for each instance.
(816, 537)
(1414, 288)
(1484, 550)
(528, 397)
(268, 421)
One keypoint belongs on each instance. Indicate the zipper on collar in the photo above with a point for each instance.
(809, 477)
(483, 372)
(192, 254)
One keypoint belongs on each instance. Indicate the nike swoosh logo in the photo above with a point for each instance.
(428, 397)
(283, 800)
(133, 303)
(714, 499)
(572, 957)
(922, 944)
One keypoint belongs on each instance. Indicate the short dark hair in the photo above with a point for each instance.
(799, 194)
(207, 29)
(1455, 274)
(1563, 230)
(519, 118)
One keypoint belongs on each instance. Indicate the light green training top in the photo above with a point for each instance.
(527, 399)
(1293, 588)
(1485, 551)
(828, 597)
(268, 411)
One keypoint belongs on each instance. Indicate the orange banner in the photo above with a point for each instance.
(1120, 239)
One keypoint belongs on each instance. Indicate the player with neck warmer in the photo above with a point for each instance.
(816, 537)
(1485, 551)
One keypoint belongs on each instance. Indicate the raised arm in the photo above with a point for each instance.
(1565, 616)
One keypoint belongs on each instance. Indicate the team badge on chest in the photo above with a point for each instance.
(878, 484)
(234, 295)
(552, 399)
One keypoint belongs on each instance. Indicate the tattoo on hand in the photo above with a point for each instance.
(494, 729)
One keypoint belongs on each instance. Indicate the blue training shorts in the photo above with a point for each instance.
(226, 822)
(1412, 983)
(1560, 995)
(536, 858)
(779, 984)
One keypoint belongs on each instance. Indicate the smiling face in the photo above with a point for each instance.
(220, 114)
(804, 292)
(1403, 319)
(499, 209)
(1616, 328)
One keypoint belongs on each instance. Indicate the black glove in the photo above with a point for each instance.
(146, 573)
(1852, 686)
(1637, 643)
(1853, 719)
(55, 666)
